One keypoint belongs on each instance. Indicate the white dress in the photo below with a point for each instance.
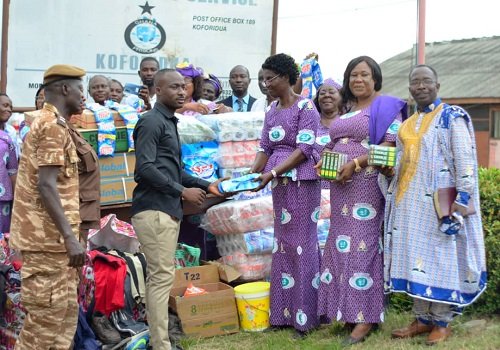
(419, 259)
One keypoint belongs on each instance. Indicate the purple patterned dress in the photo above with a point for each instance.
(351, 287)
(8, 167)
(296, 203)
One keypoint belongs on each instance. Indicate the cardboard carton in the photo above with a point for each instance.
(122, 164)
(227, 273)
(207, 315)
(196, 275)
(209, 272)
(216, 324)
(121, 144)
(117, 190)
(86, 120)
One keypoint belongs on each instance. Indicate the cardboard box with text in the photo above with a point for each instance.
(206, 315)
(121, 164)
(117, 190)
(121, 140)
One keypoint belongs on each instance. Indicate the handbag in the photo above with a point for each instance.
(443, 200)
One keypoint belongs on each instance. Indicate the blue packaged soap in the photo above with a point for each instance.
(239, 184)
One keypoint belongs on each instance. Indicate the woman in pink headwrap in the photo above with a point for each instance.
(328, 103)
(212, 88)
(194, 79)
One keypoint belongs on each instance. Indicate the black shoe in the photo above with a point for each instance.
(176, 346)
(104, 331)
(275, 329)
(299, 334)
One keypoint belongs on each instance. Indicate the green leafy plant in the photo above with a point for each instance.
(489, 191)
(400, 302)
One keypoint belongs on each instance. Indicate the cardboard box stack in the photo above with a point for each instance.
(117, 172)
(117, 178)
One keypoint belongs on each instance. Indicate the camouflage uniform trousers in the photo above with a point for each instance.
(49, 294)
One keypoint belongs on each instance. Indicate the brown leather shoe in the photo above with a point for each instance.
(359, 333)
(438, 335)
(415, 328)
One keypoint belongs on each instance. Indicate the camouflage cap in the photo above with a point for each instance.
(62, 72)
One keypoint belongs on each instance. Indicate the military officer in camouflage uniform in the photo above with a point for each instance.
(45, 216)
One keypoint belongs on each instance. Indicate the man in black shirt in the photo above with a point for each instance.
(157, 200)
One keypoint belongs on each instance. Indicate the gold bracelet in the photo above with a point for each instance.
(358, 167)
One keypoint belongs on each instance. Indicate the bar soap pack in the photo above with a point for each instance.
(382, 155)
(332, 161)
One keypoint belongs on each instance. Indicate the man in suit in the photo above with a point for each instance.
(240, 100)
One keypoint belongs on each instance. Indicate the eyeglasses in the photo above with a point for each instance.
(266, 82)
(425, 82)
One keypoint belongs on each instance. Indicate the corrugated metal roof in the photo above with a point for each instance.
(468, 68)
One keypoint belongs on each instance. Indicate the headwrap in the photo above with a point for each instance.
(331, 82)
(216, 83)
(383, 111)
(188, 70)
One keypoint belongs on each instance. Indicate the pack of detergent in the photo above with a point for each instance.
(200, 160)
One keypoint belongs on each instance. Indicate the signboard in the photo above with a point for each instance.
(110, 37)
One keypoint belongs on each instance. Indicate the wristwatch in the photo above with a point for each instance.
(358, 167)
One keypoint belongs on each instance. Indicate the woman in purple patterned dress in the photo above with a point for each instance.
(327, 102)
(8, 165)
(351, 287)
(286, 158)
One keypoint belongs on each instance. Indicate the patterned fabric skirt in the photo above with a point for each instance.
(296, 255)
(351, 287)
(5, 209)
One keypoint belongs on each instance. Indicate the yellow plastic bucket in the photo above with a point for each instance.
(252, 300)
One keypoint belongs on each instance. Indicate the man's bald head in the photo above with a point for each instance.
(170, 88)
(239, 79)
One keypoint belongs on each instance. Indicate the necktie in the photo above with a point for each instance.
(240, 105)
